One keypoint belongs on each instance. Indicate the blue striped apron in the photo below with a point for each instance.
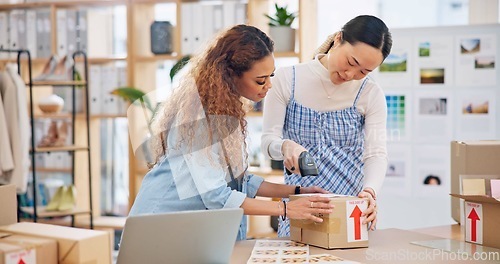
(335, 140)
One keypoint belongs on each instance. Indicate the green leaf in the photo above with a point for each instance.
(178, 66)
(281, 16)
(132, 94)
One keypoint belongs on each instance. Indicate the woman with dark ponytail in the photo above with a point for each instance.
(331, 108)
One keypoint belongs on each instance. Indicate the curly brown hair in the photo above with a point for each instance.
(209, 88)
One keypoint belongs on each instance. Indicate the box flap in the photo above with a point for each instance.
(479, 142)
(477, 198)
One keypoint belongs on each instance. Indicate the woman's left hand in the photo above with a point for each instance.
(313, 189)
(371, 212)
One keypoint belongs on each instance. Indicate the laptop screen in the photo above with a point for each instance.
(206, 236)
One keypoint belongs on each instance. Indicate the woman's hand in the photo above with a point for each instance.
(371, 211)
(291, 152)
(313, 189)
(305, 208)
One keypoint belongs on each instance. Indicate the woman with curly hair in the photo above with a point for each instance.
(200, 133)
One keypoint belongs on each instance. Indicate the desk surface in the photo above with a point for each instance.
(448, 231)
(386, 246)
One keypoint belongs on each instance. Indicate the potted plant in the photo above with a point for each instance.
(281, 30)
(136, 96)
(132, 94)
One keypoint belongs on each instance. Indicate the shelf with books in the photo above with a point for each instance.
(50, 13)
(56, 140)
(44, 4)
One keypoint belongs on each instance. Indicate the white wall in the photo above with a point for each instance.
(333, 14)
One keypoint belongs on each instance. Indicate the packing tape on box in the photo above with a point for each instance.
(23, 245)
(329, 225)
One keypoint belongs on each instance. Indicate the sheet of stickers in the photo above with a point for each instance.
(286, 251)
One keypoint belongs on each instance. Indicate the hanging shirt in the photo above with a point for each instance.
(6, 159)
(22, 156)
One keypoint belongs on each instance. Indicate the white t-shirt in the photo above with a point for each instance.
(312, 90)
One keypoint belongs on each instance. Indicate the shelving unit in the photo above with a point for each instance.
(35, 210)
(83, 122)
(142, 63)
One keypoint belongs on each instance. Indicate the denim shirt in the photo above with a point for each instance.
(181, 182)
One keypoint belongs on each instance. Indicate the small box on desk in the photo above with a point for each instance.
(75, 245)
(25, 249)
(482, 214)
(343, 228)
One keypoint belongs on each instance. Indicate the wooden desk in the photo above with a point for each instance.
(386, 246)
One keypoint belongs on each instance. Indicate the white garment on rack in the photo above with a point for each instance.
(6, 159)
(24, 127)
(10, 95)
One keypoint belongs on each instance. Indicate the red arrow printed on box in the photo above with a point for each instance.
(473, 224)
(356, 214)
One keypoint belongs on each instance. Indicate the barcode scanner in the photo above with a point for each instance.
(307, 166)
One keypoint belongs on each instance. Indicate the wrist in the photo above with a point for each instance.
(297, 189)
(280, 209)
(283, 217)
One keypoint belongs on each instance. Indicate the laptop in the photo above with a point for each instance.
(204, 236)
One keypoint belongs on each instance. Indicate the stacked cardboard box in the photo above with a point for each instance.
(74, 245)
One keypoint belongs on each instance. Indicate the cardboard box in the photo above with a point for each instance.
(14, 248)
(8, 206)
(75, 245)
(495, 188)
(482, 214)
(342, 228)
(469, 158)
